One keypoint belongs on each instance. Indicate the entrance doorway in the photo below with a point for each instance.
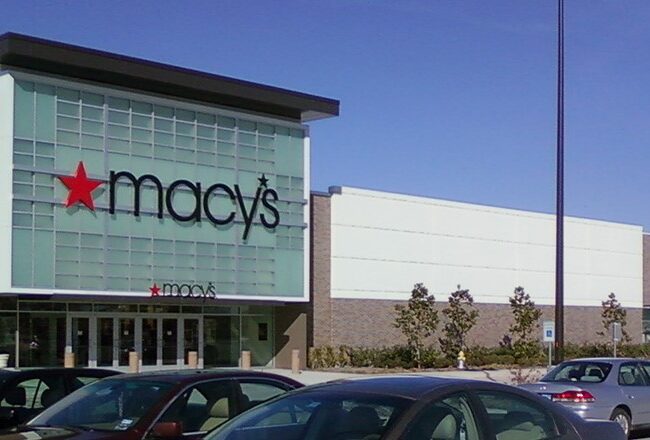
(81, 340)
(161, 341)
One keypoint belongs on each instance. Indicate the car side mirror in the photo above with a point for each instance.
(167, 430)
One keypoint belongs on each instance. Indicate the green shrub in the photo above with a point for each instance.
(478, 356)
(442, 362)
(401, 356)
(573, 351)
(635, 351)
(328, 357)
(599, 349)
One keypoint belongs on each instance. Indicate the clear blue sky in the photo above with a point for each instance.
(452, 99)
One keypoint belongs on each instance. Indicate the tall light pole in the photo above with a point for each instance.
(559, 217)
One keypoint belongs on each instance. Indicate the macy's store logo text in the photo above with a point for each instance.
(80, 189)
(184, 290)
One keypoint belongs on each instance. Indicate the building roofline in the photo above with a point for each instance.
(339, 189)
(82, 63)
(320, 194)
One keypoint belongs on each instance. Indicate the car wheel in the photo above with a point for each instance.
(620, 416)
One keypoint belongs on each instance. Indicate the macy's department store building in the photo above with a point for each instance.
(149, 208)
(159, 210)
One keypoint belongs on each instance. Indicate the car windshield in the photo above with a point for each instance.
(594, 372)
(107, 405)
(317, 415)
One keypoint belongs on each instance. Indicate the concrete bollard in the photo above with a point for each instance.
(68, 360)
(193, 359)
(295, 361)
(134, 362)
(246, 360)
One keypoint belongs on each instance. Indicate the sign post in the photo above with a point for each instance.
(616, 334)
(549, 337)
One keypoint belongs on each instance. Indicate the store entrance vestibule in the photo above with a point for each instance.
(161, 341)
(39, 333)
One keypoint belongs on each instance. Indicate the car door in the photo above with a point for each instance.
(203, 407)
(510, 416)
(636, 391)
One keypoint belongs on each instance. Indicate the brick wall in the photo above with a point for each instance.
(370, 323)
(320, 316)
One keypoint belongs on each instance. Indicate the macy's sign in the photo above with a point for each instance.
(80, 189)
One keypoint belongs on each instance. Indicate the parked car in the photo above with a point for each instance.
(163, 405)
(601, 389)
(25, 393)
(412, 408)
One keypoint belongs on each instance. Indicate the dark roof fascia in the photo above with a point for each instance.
(320, 194)
(134, 73)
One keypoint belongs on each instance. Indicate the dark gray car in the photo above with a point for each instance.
(412, 408)
(601, 389)
(24, 393)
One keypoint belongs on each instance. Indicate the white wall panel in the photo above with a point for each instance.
(383, 243)
(6, 162)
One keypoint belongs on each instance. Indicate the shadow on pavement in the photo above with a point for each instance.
(642, 434)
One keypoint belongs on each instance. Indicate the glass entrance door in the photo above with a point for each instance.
(126, 339)
(149, 341)
(169, 341)
(105, 339)
(81, 340)
(191, 337)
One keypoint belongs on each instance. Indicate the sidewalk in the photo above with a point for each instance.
(309, 377)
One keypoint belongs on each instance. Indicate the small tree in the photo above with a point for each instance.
(525, 326)
(613, 312)
(461, 317)
(417, 320)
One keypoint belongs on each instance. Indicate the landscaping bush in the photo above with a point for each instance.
(328, 357)
(599, 349)
(398, 356)
(480, 356)
(401, 356)
(635, 351)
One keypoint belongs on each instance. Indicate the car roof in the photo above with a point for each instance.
(18, 371)
(611, 360)
(409, 386)
(191, 376)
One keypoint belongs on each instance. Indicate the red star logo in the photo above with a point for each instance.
(155, 290)
(80, 187)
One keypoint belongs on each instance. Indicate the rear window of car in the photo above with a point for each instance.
(585, 372)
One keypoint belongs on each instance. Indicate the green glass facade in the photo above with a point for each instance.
(76, 249)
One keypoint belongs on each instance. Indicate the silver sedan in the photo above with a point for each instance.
(601, 389)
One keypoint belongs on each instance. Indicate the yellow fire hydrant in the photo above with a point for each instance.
(461, 360)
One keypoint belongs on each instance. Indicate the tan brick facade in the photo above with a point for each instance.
(321, 240)
(370, 323)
